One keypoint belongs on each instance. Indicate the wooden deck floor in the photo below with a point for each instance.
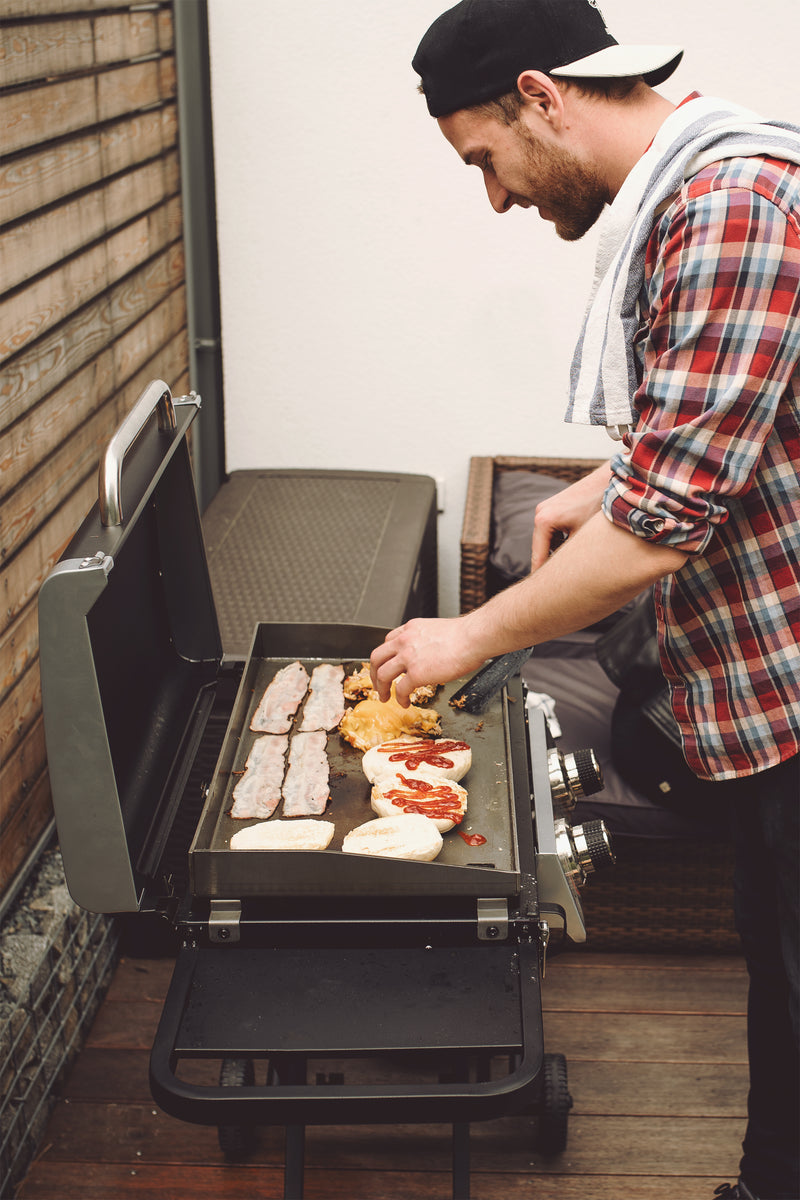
(657, 1070)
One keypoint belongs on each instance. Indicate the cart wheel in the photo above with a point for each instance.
(556, 1103)
(237, 1142)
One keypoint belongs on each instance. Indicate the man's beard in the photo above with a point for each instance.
(560, 183)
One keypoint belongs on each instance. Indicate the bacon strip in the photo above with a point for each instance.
(325, 705)
(259, 790)
(281, 700)
(306, 786)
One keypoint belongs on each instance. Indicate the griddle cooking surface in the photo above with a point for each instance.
(349, 806)
(490, 811)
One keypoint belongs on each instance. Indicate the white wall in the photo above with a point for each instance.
(377, 314)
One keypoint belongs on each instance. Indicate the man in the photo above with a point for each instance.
(689, 355)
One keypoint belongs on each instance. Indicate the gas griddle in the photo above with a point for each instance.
(290, 958)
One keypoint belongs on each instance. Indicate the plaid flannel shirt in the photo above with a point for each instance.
(713, 465)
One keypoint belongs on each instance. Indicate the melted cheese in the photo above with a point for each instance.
(372, 722)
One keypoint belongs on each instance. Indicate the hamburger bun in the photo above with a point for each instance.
(408, 836)
(442, 801)
(442, 757)
(284, 835)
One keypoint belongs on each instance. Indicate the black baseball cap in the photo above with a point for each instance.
(475, 51)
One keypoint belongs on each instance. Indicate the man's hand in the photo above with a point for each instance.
(425, 650)
(567, 511)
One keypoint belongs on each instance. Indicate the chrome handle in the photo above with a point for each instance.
(155, 396)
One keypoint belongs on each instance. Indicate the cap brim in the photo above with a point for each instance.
(653, 63)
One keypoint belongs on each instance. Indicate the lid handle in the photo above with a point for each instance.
(155, 396)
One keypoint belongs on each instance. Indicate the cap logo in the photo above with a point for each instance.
(596, 6)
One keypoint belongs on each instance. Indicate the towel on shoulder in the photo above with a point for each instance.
(699, 132)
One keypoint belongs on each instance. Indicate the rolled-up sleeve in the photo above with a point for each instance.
(718, 342)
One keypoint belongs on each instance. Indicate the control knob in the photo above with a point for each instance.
(572, 777)
(592, 845)
(583, 773)
(583, 849)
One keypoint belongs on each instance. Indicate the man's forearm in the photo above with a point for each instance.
(595, 572)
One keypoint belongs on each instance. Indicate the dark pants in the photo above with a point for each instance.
(767, 905)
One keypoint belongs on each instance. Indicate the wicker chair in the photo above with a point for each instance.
(665, 895)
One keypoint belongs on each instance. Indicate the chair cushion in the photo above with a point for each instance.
(515, 495)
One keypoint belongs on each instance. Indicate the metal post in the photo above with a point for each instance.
(200, 238)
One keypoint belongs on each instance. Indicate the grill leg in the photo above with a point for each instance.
(294, 1168)
(461, 1161)
(292, 1071)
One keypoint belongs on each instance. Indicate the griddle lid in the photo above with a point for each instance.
(129, 651)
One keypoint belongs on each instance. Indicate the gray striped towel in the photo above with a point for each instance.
(700, 132)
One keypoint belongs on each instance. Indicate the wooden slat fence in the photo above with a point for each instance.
(92, 308)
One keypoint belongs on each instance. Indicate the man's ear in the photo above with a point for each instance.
(543, 96)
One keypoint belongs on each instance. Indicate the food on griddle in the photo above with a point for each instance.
(444, 757)
(371, 722)
(259, 790)
(324, 707)
(284, 835)
(306, 788)
(358, 686)
(409, 836)
(281, 700)
(442, 801)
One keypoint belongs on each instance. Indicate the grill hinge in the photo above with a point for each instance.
(492, 920)
(223, 921)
